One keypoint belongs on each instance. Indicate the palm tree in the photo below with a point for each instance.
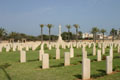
(103, 32)
(94, 32)
(41, 26)
(112, 32)
(13, 35)
(49, 27)
(2, 33)
(68, 26)
(76, 26)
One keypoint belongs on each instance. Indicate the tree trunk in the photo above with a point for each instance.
(103, 37)
(95, 37)
(76, 35)
(49, 35)
(113, 37)
(68, 35)
(41, 34)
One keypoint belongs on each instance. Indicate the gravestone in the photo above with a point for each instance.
(84, 53)
(41, 52)
(111, 51)
(45, 61)
(66, 59)
(99, 55)
(7, 48)
(103, 49)
(57, 53)
(94, 49)
(108, 65)
(14, 48)
(22, 56)
(71, 52)
(27, 48)
(50, 47)
(85, 68)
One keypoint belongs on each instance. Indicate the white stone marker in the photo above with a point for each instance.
(14, 48)
(71, 52)
(27, 48)
(57, 53)
(103, 49)
(22, 56)
(109, 65)
(41, 52)
(66, 59)
(45, 61)
(7, 49)
(84, 53)
(99, 55)
(85, 68)
(94, 50)
(50, 47)
(111, 51)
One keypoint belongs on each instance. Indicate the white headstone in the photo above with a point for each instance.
(86, 69)
(22, 56)
(109, 65)
(66, 59)
(45, 61)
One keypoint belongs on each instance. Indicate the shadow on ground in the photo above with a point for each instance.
(78, 76)
(32, 60)
(60, 65)
(100, 74)
(3, 67)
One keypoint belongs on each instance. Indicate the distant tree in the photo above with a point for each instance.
(3, 33)
(13, 35)
(41, 26)
(79, 35)
(94, 31)
(68, 26)
(103, 32)
(54, 37)
(113, 32)
(16, 36)
(76, 27)
(49, 27)
(119, 34)
(65, 35)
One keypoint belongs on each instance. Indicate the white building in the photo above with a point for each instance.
(87, 35)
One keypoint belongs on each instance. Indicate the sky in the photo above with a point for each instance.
(25, 16)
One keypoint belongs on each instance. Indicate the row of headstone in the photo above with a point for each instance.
(86, 66)
(86, 62)
(34, 45)
(18, 46)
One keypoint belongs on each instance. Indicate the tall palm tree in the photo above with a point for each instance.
(103, 32)
(76, 27)
(41, 26)
(68, 26)
(112, 32)
(94, 32)
(49, 27)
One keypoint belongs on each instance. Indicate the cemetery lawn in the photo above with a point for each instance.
(12, 69)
